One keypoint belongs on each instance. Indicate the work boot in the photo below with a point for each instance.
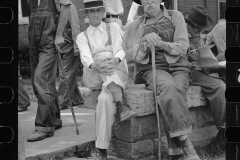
(189, 152)
(125, 113)
(177, 157)
(99, 154)
(39, 135)
(216, 147)
(58, 124)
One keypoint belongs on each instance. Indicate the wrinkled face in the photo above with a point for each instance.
(193, 31)
(95, 16)
(151, 7)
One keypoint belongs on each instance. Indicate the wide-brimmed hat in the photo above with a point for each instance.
(90, 4)
(197, 16)
(206, 58)
(139, 1)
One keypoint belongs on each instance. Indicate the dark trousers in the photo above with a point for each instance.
(43, 63)
(171, 91)
(23, 97)
(70, 65)
(214, 91)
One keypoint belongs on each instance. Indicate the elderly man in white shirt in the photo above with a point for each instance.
(105, 68)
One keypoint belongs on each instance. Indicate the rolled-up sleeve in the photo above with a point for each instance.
(85, 53)
(180, 43)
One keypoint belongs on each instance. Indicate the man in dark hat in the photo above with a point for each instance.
(166, 31)
(213, 89)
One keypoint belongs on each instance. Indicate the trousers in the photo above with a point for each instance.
(70, 65)
(171, 97)
(105, 111)
(43, 66)
(214, 91)
(23, 97)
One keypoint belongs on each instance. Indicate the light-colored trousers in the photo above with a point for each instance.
(105, 111)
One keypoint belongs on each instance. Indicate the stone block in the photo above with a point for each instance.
(139, 128)
(90, 97)
(145, 127)
(135, 150)
(201, 116)
(142, 101)
(195, 97)
(139, 99)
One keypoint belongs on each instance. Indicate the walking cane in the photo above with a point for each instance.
(155, 96)
(67, 90)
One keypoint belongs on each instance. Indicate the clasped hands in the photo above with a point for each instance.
(107, 67)
(151, 39)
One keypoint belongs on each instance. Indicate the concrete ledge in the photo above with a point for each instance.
(141, 100)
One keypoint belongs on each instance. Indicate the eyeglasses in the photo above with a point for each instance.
(196, 30)
(92, 11)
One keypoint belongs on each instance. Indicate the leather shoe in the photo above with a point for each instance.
(38, 136)
(99, 154)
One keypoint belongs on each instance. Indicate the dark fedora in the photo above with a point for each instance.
(197, 16)
(139, 1)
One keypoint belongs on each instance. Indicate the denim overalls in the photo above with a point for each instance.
(172, 83)
(43, 63)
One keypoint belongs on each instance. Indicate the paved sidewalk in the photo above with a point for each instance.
(64, 137)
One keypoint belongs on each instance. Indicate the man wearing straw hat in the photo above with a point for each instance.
(166, 31)
(105, 68)
(197, 20)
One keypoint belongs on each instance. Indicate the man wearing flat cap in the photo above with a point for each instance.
(197, 20)
(105, 68)
(165, 30)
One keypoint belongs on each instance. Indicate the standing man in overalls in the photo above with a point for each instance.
(167, 32)
(43, 24)
(65, 43)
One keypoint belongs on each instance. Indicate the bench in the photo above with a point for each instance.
(137, 138)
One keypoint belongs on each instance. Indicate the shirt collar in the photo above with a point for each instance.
(100, 28)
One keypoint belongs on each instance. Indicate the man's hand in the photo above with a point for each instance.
(58, 41)
(152, 39)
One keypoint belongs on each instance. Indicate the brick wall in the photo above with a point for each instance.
(79, 4)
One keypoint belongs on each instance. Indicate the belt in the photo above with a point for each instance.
(112, 16)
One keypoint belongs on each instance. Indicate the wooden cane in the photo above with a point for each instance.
(155, 96)
(68, 91)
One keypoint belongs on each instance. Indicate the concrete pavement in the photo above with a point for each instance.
(64, 137)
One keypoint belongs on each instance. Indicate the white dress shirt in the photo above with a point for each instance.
(98, 38)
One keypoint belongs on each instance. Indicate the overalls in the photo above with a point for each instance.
(43, 63)
(172, 83)
(70, 64)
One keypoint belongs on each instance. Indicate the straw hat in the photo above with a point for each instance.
(139, 1)
(90, 4)
(197, 16)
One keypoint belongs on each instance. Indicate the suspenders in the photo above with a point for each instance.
(109, 42)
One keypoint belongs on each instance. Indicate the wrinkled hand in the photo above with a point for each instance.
(152, 39)
(193, 54)
(106, 67)
(58, 41)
